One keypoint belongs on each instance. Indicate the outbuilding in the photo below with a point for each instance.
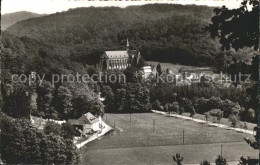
(87, 123)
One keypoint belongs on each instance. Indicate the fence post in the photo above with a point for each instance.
(183, 137)
(221, 150)
(130, 118)
(153, 125)
(101, 127)
(114, 125)
(80, 146)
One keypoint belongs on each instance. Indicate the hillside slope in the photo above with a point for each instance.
(83, 23)
(171, 33)
(12, 18)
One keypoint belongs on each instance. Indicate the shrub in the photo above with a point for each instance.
(181, 110)
(201, 105)
(237, 110)
(207, 116)
(178, 159)
(187, 105)
(244, 126)
(167, 107)
(220, 160)
(217, 114)
(228, 107)
(68, 131)
(214, 102)
(192, 112)
(248, 160)
(234, 120)
(157, 105)
(205, 163)
(52, 127)
(175, 107)
(250, 115)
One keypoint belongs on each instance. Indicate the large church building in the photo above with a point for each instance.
(119, 59)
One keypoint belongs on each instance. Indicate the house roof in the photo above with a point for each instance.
(121, 54)
(87, 118)
(117, 54)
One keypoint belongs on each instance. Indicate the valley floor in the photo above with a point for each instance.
(153, 139)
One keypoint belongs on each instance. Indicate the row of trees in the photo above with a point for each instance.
(166, 93)
(195, 98)
(201, 98)
(68, 100)
(213, 106)
(228, 107)
(62, 102)
(220, 160)
(59, 102)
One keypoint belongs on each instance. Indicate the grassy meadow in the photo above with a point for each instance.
(152, 139)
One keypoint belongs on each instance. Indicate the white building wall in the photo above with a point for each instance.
(95, 126)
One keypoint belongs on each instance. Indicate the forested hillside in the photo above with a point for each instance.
(171, 33)
(59, 46)
(12, 18)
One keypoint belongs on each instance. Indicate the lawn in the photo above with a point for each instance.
(139, 143)
(225, 121)
(172, 66)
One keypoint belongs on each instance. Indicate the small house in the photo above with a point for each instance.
(87, 123)
(147, 71)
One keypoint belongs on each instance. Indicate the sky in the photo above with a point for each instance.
(53, 6)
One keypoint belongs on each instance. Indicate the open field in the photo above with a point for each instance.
(136, 143)
(173, 67)
(250, 126)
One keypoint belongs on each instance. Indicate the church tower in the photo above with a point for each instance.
(127, 45)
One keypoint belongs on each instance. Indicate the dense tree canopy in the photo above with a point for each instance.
(237, 28)
(24, 144)
(49, 44)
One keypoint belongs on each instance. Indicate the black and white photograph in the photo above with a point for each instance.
(129, 82)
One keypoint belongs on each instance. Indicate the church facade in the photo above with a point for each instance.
(119, 59)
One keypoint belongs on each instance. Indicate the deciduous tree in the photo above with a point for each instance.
(236, 28)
